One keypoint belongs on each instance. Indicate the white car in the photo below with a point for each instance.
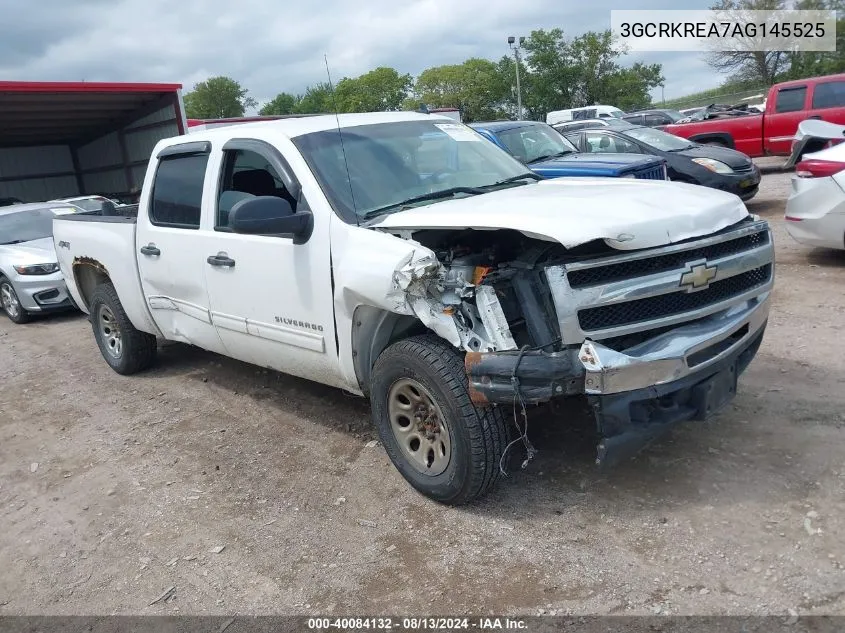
(815, 210)
(30, 279)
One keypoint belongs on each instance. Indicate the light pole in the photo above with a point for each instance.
(516, 49)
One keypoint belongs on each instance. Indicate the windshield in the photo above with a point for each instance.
(674, 114)
(532, 143)
(32, 224)
(390, 163)
(659, 139)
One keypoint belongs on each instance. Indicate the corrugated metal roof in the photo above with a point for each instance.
(40, 113)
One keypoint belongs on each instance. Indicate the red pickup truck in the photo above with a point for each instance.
(771, 133)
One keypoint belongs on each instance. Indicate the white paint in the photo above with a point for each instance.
(574, 211)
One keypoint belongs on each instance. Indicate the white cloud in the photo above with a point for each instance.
(273, 46)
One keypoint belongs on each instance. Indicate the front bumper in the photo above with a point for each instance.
(42, 293)
(637, 394)
(745, 185)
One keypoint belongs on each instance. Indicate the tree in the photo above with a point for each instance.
(743, 63)
(379, 90)
(549, 85)
(476, 87)
(316, 100)
(217, 98)
(804, 64)
(583, 71)
(282, 103)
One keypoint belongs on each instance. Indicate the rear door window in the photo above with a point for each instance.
(791, 99)
(177, 191)
(830, 94)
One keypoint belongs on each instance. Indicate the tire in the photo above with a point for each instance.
(466, 464)
(126, 349)
(10, 303)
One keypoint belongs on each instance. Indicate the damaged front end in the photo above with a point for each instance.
(650, 338)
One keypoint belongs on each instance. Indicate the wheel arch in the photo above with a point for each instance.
(88, 273)
(373, 330)
(724, 138)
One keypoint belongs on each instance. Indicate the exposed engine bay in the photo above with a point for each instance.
(487, 289)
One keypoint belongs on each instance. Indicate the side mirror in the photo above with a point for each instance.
(269, 215)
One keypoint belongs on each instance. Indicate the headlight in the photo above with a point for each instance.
(37, 269)
(713, 165)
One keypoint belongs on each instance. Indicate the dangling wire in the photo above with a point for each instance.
(530, 451)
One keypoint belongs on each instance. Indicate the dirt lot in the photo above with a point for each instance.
(114, 489)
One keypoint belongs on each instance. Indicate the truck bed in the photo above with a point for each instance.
(112, 238)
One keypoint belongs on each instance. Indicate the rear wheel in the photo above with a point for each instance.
(11, 304)
(441, 443)
(126, 349)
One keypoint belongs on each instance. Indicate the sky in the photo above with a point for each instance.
(272, 46)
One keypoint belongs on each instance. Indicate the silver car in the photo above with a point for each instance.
(30, 279)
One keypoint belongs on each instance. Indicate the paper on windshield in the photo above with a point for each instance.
(458, 132)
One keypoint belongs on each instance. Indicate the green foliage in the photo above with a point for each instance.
(316, 100)
(555, 73)
(217, 98)
(379, 90)
(476, 87)
(769, 67)
(283, 103)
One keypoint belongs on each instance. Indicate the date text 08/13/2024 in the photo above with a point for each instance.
(416, 624)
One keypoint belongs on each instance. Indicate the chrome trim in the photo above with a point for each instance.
(569, 301)
(665, 358)
(753, 227)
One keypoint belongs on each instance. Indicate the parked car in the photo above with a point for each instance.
(549, 154)
(772, 132)
(404, 257)
(653, 118)
(714, 167)
(30, 279)
(815, 209)
(588, 112)
(814, 135)
(571, 126)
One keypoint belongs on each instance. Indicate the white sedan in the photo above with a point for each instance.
(815, 210)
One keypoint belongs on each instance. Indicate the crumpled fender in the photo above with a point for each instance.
(396, 275)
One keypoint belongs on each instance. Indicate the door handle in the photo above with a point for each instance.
(221, 260)
(150, 249)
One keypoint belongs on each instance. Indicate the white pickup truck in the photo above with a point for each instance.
(403, 257)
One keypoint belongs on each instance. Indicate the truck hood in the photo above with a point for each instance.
(628, 214)
(27, 253)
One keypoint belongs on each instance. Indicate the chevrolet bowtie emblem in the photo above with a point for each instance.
(698, 277)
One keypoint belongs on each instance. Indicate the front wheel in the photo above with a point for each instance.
(11, 304)
(126, 349)
(441, 443)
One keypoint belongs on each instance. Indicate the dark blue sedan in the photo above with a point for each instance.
(545, 151)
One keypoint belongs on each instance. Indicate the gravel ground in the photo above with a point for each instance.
(114, 489)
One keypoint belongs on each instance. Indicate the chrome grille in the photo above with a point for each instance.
(661, 263)
(627, 296)
(651, 173)
(653, 308)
